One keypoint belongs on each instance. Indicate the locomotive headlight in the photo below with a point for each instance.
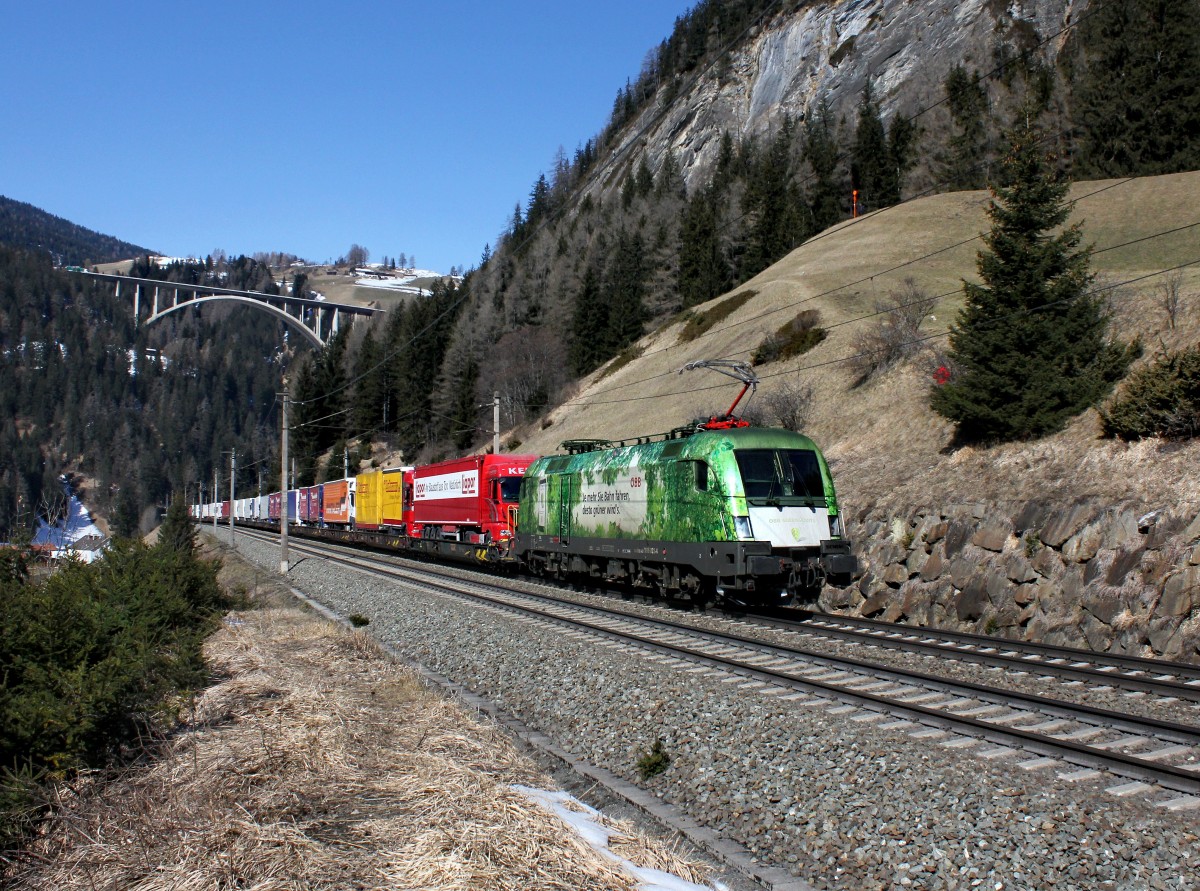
(835, 526)
(741, 525)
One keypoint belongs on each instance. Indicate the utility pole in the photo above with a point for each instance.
(346, 463)
(495, 422)
(215, 508)
(232, 477)
(283, 478)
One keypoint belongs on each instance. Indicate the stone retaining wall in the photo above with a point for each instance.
(1100, 577)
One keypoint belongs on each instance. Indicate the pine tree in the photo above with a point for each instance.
(1030, 343)
(625, 289)
(703, 271)
(589, 323)
(177, 533)
(964, 163)
(1134, 88)
(869, 155)
(828, 194)
(778, 216)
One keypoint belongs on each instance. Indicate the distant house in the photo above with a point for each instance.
(88, 549)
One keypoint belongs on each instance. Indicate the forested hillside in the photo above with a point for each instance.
(25, 226)
(136, 413)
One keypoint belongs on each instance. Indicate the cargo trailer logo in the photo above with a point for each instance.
(447, 485)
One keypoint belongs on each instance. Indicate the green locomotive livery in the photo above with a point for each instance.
(743, 515)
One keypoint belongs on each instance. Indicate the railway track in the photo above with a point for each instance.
(1127, 754)
(1169, 680)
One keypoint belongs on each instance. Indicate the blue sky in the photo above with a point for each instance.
(307, 126)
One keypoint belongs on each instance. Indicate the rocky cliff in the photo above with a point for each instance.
(826, 52)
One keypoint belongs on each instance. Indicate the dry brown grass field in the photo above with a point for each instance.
(317, 762)
(886, 446)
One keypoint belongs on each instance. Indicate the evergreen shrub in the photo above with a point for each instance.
(699, 323)
(93, 660)
(1161, 399)
(794, 338)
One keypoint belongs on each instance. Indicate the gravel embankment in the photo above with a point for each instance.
(842, 804)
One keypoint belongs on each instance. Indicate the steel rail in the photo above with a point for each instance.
(1004, 652)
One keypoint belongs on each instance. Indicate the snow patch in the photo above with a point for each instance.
(585, 820)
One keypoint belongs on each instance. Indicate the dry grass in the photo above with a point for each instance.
(315, 762)
(887, 448)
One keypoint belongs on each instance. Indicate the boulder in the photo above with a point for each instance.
(1026, 616)
(918, 600)
(993, 536)
(1023, 595)
(1165, 637)
(1032, 515)
(1083, 545)
(935, 532)
(1192, 532)
(1019, 570)
(1047, 563)
(972, 600)
(1124, 562)
(1164, 531)
(961, 571)
(832, 599)
(999, 588)
(889, 551)
(917, 558)
(957, 535)
(877, 602)
(1180, 595)
(1097, 567)
(935, 564)
(1102, 603)
(1066, 522)
(1098, 635)
(1071, 584)
(1123, 531)
(1005, 616)
(895, 575)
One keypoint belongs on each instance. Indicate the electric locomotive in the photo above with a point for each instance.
(744, 515)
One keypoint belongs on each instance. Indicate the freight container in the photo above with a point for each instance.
(471, 500)
(337, 503)
(368, 500)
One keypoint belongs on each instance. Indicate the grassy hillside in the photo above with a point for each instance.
(885, 444)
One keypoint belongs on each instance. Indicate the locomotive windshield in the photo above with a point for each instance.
(510, 489)
(780, 475)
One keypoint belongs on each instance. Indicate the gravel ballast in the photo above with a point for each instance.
(839, 803)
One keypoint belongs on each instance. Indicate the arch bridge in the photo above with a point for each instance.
(317, 320)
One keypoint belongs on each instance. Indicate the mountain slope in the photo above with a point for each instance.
(30, 228)
(885, 444)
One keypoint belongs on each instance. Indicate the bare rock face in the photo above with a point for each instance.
(825, 52)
